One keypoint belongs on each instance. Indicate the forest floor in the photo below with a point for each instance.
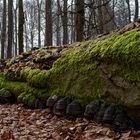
(20, 123)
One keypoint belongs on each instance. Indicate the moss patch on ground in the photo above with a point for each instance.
(18, 88)
(35, 77)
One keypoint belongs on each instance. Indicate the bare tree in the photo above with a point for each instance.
(65, 22)
(32, 24)
(79, 22)
(10, 28)
(16, 32)
(136, 10)
(72, 18)
(3, 38)
(39, 22)
(48, 22)
(108, 17)
(129, 10)
(58, 35)
(100, 18)
(26, 33)
(20, 27)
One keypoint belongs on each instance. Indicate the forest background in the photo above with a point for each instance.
(25, 24)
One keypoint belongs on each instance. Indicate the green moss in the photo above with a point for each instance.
(26, 96)
(77, 72)
(123, 47)
(123, 50)
(42, 58)
(13, 59)
(13, 75)
(82, 84)
(35, 77)
(70, 57)
(24, 73)
(21, 87)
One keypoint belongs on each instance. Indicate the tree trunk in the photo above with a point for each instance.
(20, 27)
(3, 38)
(136, 10)
(100, 18)
(16, 38)
(72, 21)
(129, 10)
(39, 26)
(48, 22)
(32, 26)
(65, 22)
(79, 22)
(26, 33)
(10, 28)
(58, 40)
(108, 18)
(32, 39)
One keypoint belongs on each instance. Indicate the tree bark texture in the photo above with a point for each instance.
(3, 38)
(20, 27)
(48, 22)
(65, 22)
(10, 28)
(79, 22)
(136, 10)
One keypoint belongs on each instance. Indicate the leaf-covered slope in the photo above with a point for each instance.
(106, 68)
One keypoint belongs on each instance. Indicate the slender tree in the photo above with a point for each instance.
(65, 22)
(136, 10)
(129, 10)
(72, 17)
(79, 22)
(3, 38)
(15, 23)
(100, 18)
(48, 22)
(26, 33)
(108, 18)
(20, 26)
(58, 35)
(39, 22)
(32, 24)
(10, 28)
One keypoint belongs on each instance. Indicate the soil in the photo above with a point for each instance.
(20, 123)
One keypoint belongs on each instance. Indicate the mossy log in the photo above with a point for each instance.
(106, 68)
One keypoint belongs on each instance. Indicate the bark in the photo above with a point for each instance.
(108, 18)
(26, 33)
(32, 26)
(105, 17)
(79, 22)
(10, 28)
(129, 10)
(20, 27)
(100, 18)
(136, 10)
(58, 40)
(72, 22)
(48, 22)
(16, 38)
(65, 22)
(39, 26)
(3, 38)
(32, 39)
